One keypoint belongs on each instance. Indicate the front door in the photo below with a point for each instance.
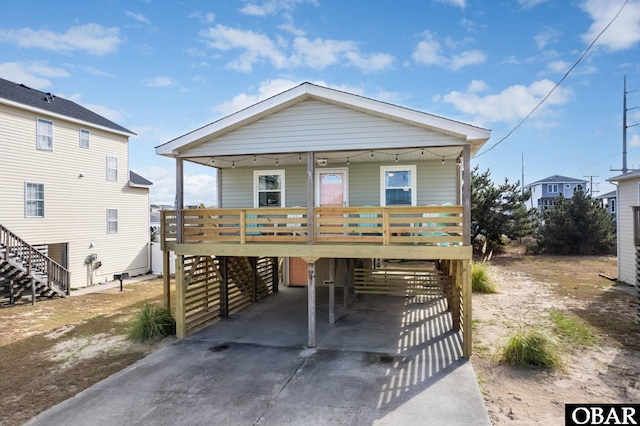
(331, 191)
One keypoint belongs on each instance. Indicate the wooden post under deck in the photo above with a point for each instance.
(311, 303)
(466, 306)
(332, 290)
(276, 275)
(224, 287)
(166, 279)
(181, 326)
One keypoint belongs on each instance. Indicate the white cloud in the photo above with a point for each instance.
(159, 81)
(429, 51)
(477, 86)
(271, 7)
(459, 3)
(92, 38)
(510, 105)
(111, 114)
(530, 3)
(257, 47)
(545, 37)
(31, 73)
(267, 89)
(199, 187)
(558, 66)
(271, 88)
(206, 18)
(138, 17)
(634, 140)
(469, 57)
(623, 34)
(315, 53)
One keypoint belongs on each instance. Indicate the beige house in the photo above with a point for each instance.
(68, 192)
(327, 181)
(628, 225)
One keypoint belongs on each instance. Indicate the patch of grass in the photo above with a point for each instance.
(152, 321)
(531, 348)
(481, 279)
(572, 329)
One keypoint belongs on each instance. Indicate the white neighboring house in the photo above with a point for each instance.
(628, 196)
(610, 202)
(67, 188)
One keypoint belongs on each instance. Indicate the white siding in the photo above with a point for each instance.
(627, 196)
(75, 207)
(318, 126)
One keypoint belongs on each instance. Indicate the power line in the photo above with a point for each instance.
(557, 84)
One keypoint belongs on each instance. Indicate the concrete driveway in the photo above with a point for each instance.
(386, 361)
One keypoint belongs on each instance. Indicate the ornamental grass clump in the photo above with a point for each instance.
(152, 321)
(531, 348)
(481, 279)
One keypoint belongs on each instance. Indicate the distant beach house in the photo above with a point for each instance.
(609, 201)
(545, 191)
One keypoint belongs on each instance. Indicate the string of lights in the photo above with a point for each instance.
(396, 156)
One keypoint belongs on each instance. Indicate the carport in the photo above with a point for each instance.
(386, 360)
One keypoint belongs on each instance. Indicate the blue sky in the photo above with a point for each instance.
(164, 68)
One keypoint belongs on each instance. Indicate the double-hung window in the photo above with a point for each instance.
(268, 188)
(112, 221)
(84, 138)
(44, 133)
(112, 168)
(398, 185)
(33, 199)
(552, 188)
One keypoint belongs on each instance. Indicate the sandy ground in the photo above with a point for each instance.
(607, 372)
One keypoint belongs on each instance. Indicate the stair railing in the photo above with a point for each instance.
(35, 261)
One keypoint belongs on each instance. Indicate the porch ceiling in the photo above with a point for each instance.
(333, 158)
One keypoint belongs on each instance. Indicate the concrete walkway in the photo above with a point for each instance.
(386, 361)
(111, 284)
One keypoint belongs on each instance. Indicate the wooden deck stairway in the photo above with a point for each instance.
(26, 271)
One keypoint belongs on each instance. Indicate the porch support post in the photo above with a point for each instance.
(345, 285)
(224, 286)
(332, 290)
(181, 326)
(179, 199)
(311, 192)
(275, 274)
(253, 261)
(166, 277)
(466, 308)
(466, 195)
(311, 303)
(218, 187)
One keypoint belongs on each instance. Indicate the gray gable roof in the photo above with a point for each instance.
(556, 179)
(47, 102)
(137, 180)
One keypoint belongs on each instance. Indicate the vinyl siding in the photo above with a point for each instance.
(436, 184)
(75, 207)
(312, 124)
(628, 196)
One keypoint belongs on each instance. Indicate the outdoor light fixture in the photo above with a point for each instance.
(233, 164)
(347, 161)
(442, 160)
(396, 158)
(277, 162)
(322, 161)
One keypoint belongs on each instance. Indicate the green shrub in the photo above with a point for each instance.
(531, 348)
(152, 321)
(481, 279)
(572, 329)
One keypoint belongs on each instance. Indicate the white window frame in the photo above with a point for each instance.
(36, 200)
(46, 146)
(414, 182)
(256, 182)
(112, 221)
(84, 136)
(113, 176)
(552, 185)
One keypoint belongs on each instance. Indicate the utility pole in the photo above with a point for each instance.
(625, 126)
(591, 191)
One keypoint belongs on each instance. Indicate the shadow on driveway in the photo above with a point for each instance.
(386, 361)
